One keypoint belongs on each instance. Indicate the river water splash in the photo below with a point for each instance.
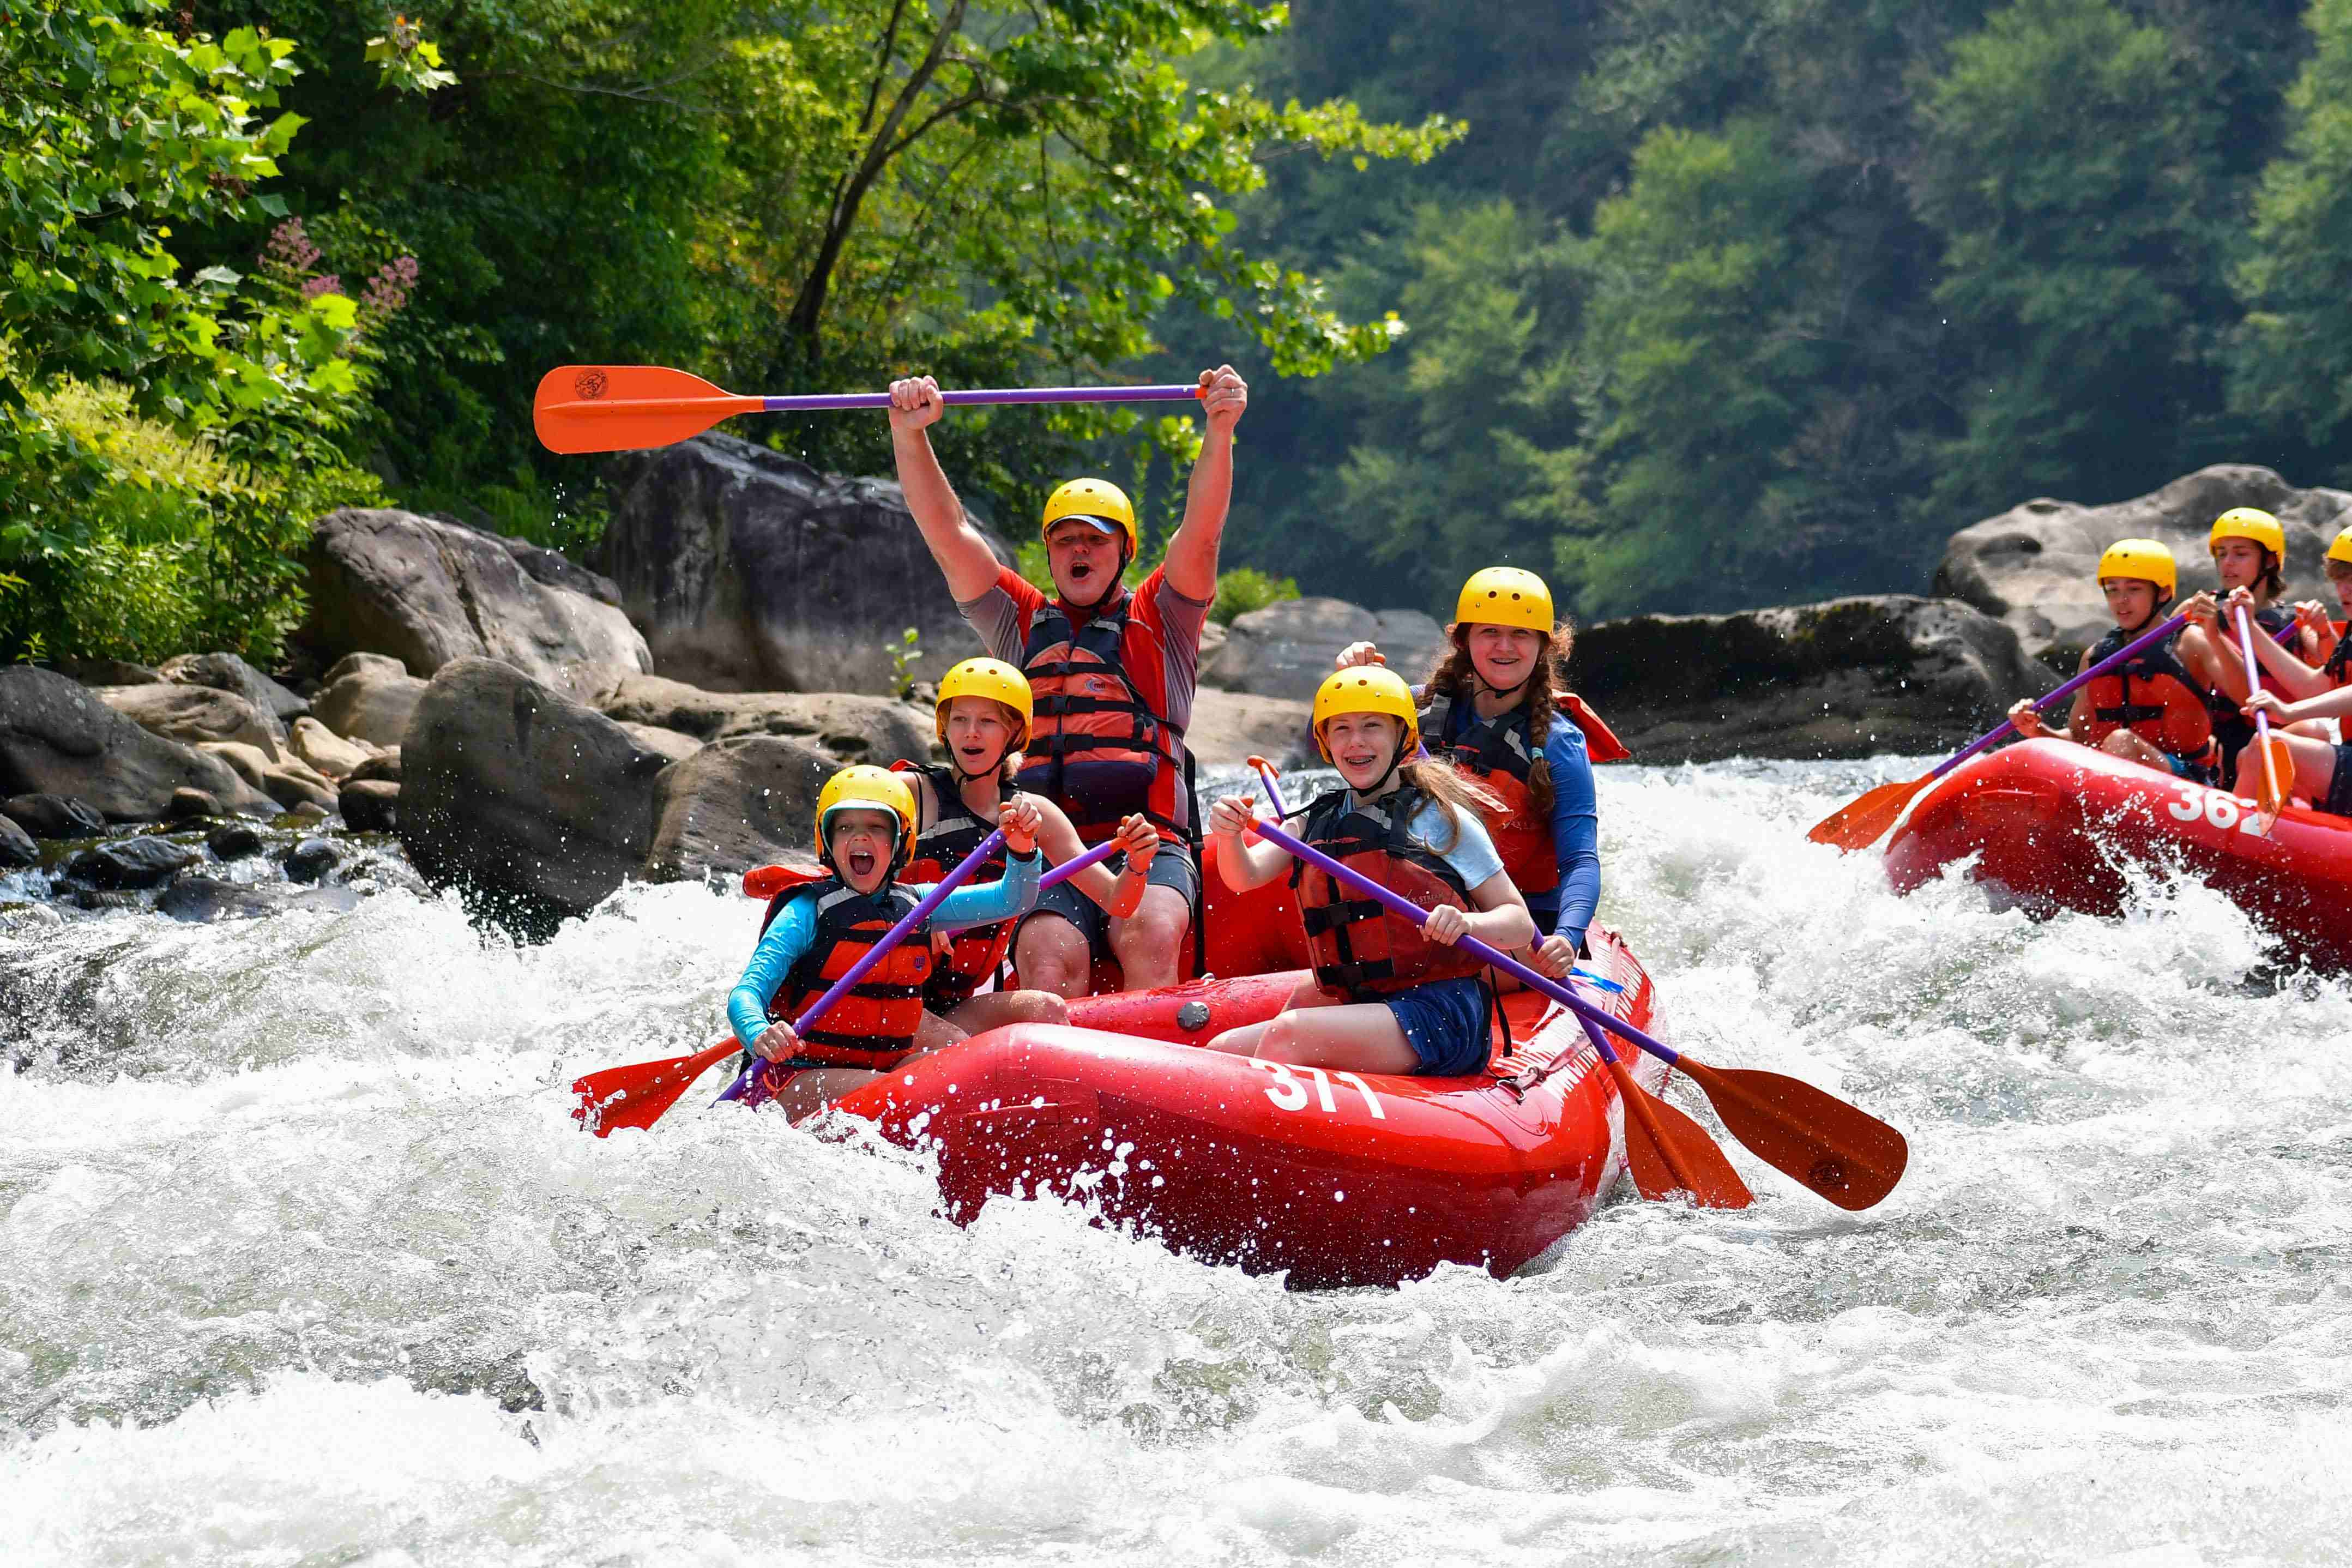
(303, 1262)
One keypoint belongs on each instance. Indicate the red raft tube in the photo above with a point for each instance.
(2060, 825)
(1339, 1178)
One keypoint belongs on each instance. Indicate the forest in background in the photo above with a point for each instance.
(1690, 304)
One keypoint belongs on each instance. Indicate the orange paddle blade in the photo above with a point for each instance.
(1669, 1154)
(636, 1095)
(622, 407)
(1847, 1155)
(2274, 782)
(1858, 824)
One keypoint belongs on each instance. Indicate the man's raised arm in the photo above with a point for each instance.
(1192, 553)
(963, 556)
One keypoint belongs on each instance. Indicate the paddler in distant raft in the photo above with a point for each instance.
(1112, 671)
(2248, 550)
(816, 932)
(1491, 692)
(983, 713)
(2149, 708)
(1387, 995)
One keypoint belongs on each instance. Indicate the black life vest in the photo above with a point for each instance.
(1096, 747)
(1359, 950)
(974, 952)
(2153, 695)
(874, 1025)
(2232, 730)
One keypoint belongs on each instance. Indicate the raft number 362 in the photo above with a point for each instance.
(1289, 1094)
(2217, 806)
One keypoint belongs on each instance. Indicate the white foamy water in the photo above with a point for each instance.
(302, 1261)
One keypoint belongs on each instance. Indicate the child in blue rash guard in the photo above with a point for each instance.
(1490, 695)
(815, 933)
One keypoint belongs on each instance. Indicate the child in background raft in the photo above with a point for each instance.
(983, 713)
(814, 932)
(2149, 708)
(1489, 694)
(2250, 555)
(2292, 679)
(1388, 995)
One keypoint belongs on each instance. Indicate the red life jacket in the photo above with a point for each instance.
(2152, 695)
(874, 1025)
(1359, 950)
(1495, 753)
(974, 952)
(1096, 747)
(2338, 668)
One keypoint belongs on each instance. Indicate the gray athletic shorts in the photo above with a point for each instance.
(1171, 867)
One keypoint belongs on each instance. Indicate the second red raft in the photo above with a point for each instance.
(2062, 825)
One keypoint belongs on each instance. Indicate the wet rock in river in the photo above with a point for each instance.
(234, 842)
(16, 846)
(189, 804)
(54, 815)
(202, 900)
(130, 863)
(312, 859)
(371, 805)
(57, 737)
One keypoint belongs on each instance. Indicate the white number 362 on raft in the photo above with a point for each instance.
(2217, 806)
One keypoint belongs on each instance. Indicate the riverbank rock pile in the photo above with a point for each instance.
(2035, 565)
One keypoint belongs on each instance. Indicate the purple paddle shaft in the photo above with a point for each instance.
(874, 956)
(2009, 726)
(2254, 684)
(1398, 904)
(821, 402)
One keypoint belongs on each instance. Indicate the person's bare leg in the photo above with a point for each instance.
(995, 1009)
(1052, 955)
(1360, 1036)
(2315, 765)
(1148, 942)
(2123, 743)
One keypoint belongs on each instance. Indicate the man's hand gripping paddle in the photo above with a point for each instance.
(625, 408)
(1666, 1151)
(1858, 824)
(1845, 1154)
(2277, 779)
(636, 1095)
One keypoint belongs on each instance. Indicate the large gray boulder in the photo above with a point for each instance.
(1287, 648)
(427, 591)
(1845, 677)
(852, 727)
(1228, 729)
(519, 795)
(2035, 565)
(227, 672)
(367, 697)
(195, 714)
(751, 571)
(735, 805)
(57, 737)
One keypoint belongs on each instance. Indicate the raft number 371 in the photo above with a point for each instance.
(1289, 1094)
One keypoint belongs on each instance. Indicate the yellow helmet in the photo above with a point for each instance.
(2143, 560)
(2250, 522)
(1097, 499)
(994, 679)
(1366, 689)
(862, 787)
(2340, 547)
(1505, 597)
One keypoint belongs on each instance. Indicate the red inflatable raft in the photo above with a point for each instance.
(1340, 1178)
(2059, 826)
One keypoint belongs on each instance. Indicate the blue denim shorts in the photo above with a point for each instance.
(1444, 1021)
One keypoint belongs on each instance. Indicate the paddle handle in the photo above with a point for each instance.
(875, 955)
(2254, 684)
(823, 402)
(2009, 726)
(1398, 904)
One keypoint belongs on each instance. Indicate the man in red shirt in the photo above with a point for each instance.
(1112, 673)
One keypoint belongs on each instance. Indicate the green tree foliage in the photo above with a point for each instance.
(169, 430)
(2292, 361)
(2070, 163)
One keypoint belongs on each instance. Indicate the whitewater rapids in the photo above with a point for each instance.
(303, 1262)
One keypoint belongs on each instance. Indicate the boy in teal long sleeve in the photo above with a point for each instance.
(815, 933)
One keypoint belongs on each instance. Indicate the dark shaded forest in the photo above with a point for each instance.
(1689, 304)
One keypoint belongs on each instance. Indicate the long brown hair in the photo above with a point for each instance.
(1453, 795)
(1454, 676)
